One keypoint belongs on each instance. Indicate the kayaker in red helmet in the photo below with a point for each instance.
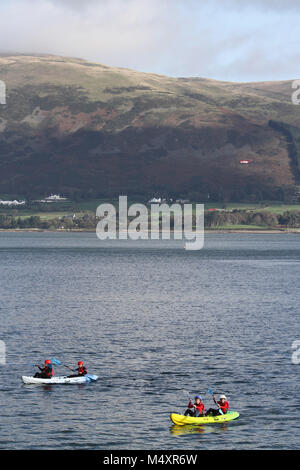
(222, 404)
(196, 409)
(81, 370)
(46, 371)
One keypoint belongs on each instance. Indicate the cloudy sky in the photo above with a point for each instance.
(233, 40)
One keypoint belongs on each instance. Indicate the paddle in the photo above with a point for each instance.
(35, 365)
(210, 391)
(186, 392)
(58, 363)
(54, 361)
(92, 377)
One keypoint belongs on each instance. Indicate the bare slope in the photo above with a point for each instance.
(73, 126)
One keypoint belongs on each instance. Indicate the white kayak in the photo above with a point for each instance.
(60, 380)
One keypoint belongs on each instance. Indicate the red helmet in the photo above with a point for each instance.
(80, 363)
(47, 361)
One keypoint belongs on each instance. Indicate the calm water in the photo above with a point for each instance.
(157, 324)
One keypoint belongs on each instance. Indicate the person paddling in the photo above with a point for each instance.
(196, 409)
(46, 371)
(222, 404)
(81, 370)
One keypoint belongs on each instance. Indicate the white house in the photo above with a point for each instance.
(156, 200)
(12, 203)
(53, 198)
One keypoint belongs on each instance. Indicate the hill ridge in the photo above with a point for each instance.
(187, 136)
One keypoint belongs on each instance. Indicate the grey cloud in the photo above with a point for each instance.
(270, 5)
(78, 4)
(164, 36)
(239, 4)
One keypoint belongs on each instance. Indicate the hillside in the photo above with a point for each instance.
(88, 130)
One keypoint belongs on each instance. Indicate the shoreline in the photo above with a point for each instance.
(247, 231)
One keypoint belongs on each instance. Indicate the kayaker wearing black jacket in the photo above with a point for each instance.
(46, 371)
(81, 370)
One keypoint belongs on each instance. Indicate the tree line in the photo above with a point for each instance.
(83, 222)
(243, 217)
(215, 219)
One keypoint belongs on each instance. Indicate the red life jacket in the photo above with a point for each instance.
(199, 407)
(81, 370)
(224, 407)
(48, 371)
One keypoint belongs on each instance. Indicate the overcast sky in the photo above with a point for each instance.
(237, 40)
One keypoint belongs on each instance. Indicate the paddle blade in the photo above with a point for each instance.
(92, 377)
(210, 391)
(55, 361)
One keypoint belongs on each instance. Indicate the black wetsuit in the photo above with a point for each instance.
(46, 372)
(80, 372)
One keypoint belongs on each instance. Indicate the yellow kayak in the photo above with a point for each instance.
(182, 420)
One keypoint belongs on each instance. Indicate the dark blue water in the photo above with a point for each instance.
(156, 323)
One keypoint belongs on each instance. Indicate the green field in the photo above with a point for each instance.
(277, 208)
(239, 227)
(58, 210)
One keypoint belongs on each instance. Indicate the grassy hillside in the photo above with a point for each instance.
(87, 130)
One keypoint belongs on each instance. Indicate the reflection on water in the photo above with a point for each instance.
(177, 430)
